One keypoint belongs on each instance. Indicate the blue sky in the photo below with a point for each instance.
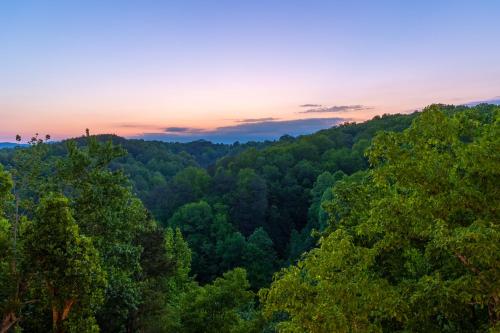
(138, 68)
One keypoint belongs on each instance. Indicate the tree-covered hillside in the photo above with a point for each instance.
(413, 243)
(388, 225)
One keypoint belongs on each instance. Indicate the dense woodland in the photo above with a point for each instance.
(391, 225)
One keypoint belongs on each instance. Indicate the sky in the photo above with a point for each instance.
(237, 70)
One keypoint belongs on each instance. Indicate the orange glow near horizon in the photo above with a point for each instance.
(63, 120)
(140, 68)
(61, 125)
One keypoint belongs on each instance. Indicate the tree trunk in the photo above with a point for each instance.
(58, 316)
(67, 308)
(55, 319)
(8, 321)
(493, 312)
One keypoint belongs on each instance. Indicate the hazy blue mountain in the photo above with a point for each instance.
(9, 145)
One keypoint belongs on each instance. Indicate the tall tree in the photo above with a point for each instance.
(248, 209)
(413, 244)
(219, 306)
(165, 281)
(8, 300)
(107, 210)
(188, 185)
(67, 265)
(260, 258)
(26, 183)
(195, 220)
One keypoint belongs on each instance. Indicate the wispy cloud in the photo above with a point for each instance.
(494, 100)
(256, 120)
(246, 131)
(310, 105)
(336, 108)
(182, 130)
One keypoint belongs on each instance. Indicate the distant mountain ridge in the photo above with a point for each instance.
(10, 145)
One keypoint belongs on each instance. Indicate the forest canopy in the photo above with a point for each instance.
(391, 225)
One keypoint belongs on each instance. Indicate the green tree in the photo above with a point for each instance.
(321, 192)
(67, 264)
(163, 289)
(260, 259)
(317, 217)
(219, 306)
(248, 209)
(106, 210)
(26, 185)
(188, 185)
(414, 243)
(216, 245)
(230, 250)
(195, 220)
(8, 302)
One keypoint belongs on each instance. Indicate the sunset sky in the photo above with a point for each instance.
(237, 70)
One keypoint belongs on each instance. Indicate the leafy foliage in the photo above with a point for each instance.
(413, 244)
(381, 226)
(67, 265)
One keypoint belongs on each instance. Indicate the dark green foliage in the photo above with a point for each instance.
(188, 185)
(195, 221)
(288, 169)
(249, 204)
(106, 228)
(106, 210)
(164, 286)
(8, 302)
(304, 240)
(217, 246)
(217, 307)
(260, 258)
(408, 245)
(413, 244)
(67, 266)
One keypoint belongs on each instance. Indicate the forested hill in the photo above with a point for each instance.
(166, 175)
(8, 145)
(149, 164)
(386, 225)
